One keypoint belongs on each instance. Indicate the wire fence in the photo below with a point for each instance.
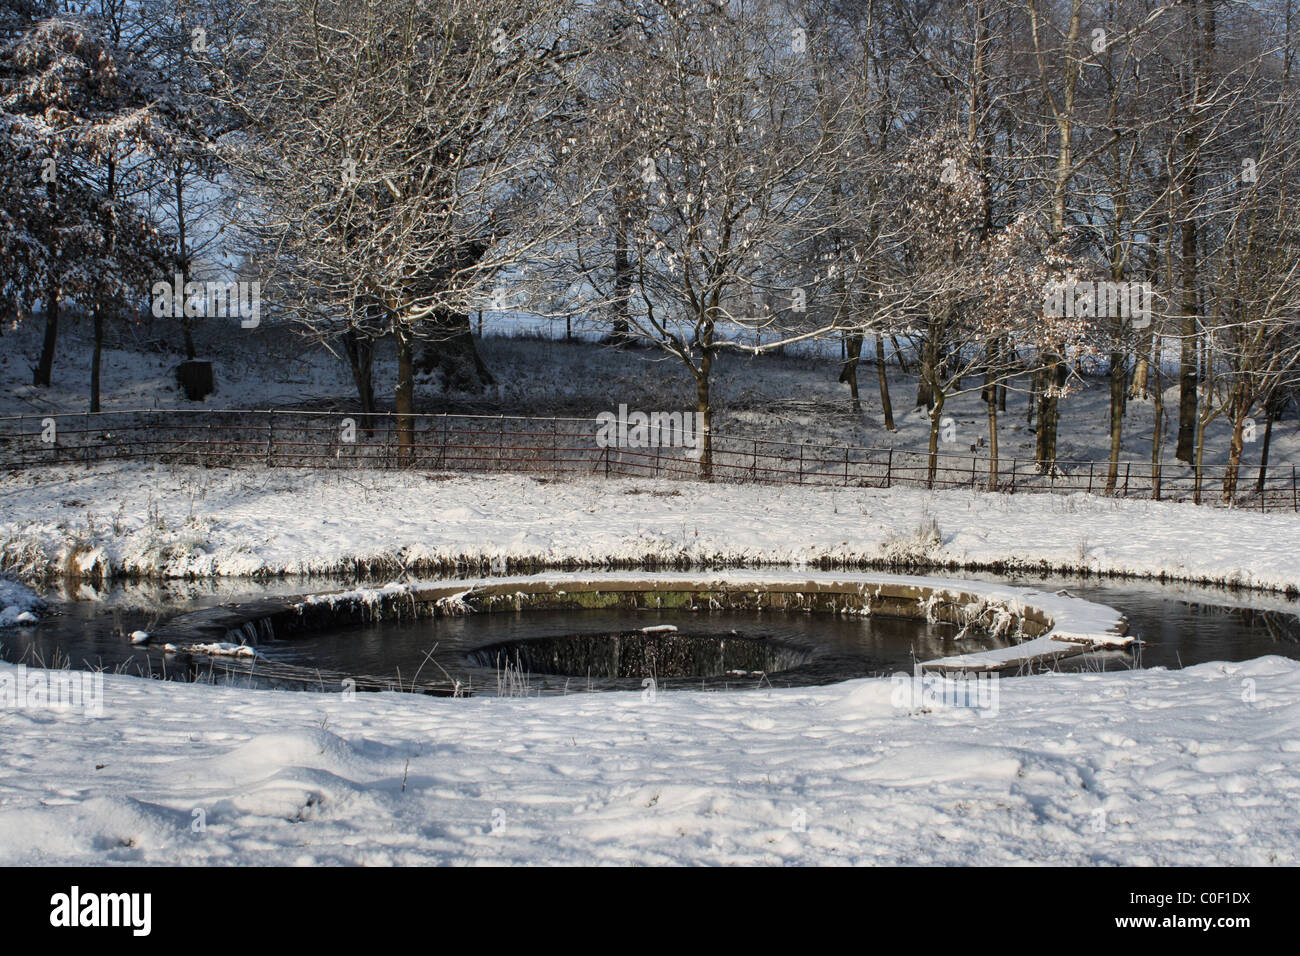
(577, 446)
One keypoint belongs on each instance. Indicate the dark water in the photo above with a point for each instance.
(1178, 626)
(835, 648)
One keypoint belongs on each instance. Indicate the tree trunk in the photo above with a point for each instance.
(849, 373)
(1158, 433)
(360, 349)
(991, 398)
(1190, 174)
(1235, 447)
(1117, 385)
(885, 404)
(1035, 389)
(404, 394)
(622, 274)
(1270, 410)
(1008, 355)
(704, 406)
(924, 385)
(1139, 386)
(1187, 381)
(45, 365)
(1198, 458)
(1049, 413)
(95, 357)
(101, 294)
(898, 354)
(183, 259)
(935, 414)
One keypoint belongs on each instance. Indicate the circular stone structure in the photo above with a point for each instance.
(1046, 626)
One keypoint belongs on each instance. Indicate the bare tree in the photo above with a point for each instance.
(393, 152)
(710, 112)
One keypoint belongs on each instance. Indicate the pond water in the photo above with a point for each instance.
(1177, 625)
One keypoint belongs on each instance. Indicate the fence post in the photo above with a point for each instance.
(846, 467)
(270, 434)
(606, 461)
(801, 464)
(1295, 499)
(1128, 466)
(972, 471)
(1090, 465)
(754, 467)
(889, 469)
(1013, 476)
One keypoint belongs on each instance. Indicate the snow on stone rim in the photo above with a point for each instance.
(215, 649)
(1074, 624)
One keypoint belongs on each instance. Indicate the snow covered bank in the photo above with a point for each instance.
(18, 604)
(163, 521)
(1137, 767)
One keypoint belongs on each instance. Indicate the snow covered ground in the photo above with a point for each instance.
(1142, 767)
(179, 521)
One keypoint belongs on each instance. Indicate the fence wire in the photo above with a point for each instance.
(573, 446)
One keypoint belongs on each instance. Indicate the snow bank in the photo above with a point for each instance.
(1144, 768)
(18, 604)
(213, 649)
(180, 522)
